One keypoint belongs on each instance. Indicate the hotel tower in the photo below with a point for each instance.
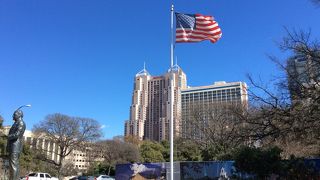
(150, 107)
(209, 101)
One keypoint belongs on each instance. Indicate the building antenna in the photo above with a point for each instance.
(144, 65)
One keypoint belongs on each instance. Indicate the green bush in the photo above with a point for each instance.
(257, 161)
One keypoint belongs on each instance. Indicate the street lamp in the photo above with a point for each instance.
(27, 105)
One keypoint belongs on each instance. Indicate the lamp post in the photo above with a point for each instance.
(27, 105)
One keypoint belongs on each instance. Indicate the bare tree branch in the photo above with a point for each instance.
(69, 133)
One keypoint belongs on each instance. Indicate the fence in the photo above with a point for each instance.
(182, 170)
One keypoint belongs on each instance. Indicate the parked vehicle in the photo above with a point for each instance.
(82, 178)
(103, 177)
(40, 176)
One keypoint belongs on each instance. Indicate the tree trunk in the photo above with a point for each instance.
(60, 167)
(109, 170)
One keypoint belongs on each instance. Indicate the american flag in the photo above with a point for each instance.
(196, 28)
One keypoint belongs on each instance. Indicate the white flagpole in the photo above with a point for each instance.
(171, 99)
(171, 63)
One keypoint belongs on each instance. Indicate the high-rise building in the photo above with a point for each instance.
(138, 109)
(150, 108)
(214, 98)
(302, 72)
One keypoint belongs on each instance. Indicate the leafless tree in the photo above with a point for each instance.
(289, 115)
(68, 133)
(316, 2)
(133, 140)
(215, 125)
(69, 169)
(115, 152)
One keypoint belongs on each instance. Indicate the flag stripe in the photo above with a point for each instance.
(199, 16)
(201, 28)
(198, 31)
(217, 34)
(196, 39)
(210, 28)
(213, 40)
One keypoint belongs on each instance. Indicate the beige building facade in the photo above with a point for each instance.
(80, 159)
(150, 108)
(209, 101)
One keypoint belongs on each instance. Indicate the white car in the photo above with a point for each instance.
(40, 176)
(103, 177)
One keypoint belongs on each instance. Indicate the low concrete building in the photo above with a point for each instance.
(80, 159)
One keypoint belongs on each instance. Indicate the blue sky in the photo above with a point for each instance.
(79, 57)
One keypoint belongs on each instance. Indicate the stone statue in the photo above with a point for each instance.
(15, 143)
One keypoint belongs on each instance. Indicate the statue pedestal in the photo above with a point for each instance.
(4, 168)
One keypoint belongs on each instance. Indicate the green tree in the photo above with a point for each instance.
(187, 150)
(26, 159)
(31, 160)
(261, 162)
(166, 150)
(1, 121)
(298, 168)
(151, 152)
(212, 152)
(3, 139)
(3, 143)
(101, 168)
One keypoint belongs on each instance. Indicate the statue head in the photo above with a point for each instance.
(18, 114)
